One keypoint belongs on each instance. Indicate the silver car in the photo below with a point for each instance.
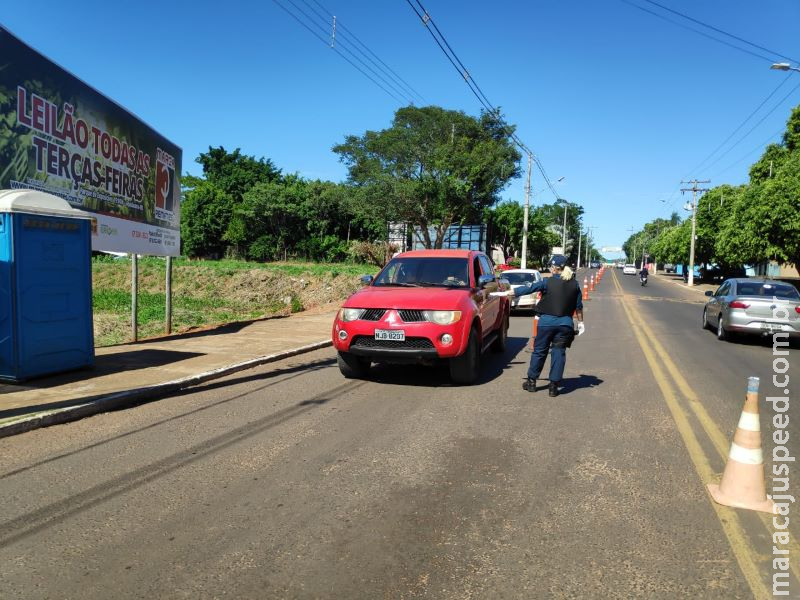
(754, 306)
(518, 278)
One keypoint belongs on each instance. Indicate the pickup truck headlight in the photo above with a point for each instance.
(442, 317)
(350, 314)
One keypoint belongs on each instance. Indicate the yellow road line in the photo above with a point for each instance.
(745, 555)
(715, 434)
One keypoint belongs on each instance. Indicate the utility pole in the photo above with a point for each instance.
(580, 235)
(694, 189)
(564, 230)
(524, 260)
(632, 230)
(588, 243)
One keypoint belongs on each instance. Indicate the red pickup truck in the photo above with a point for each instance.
(424, 306)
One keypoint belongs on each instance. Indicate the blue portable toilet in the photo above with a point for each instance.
(46, 321)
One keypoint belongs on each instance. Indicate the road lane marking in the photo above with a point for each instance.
(745, 554)
(715, 434)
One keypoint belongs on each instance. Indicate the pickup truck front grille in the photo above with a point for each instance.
(410, 343)
(373, 314)
(412, 316)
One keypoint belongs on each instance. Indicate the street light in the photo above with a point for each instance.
(784, 67)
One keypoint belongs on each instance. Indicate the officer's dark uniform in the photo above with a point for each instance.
(560, 299)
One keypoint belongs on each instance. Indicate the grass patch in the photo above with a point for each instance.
(207, 293)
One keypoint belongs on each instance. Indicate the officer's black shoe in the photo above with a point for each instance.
(529, 385)
(553, 391)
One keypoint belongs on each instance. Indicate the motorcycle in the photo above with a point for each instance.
(643, 279)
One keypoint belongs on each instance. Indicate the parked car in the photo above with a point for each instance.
(717, 273)
(669, 268)
(752, 306)
(629, 269)
(594, 264)
(517, 278)
(423, 307)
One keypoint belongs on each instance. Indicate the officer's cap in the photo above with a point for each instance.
(558, 260)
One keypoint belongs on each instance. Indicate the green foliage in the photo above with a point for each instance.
(507, 221)
(209, 204)
(764, 221)
(748, 224)
(432, 168)
(205, 213)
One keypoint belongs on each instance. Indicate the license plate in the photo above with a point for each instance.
(771, 327)
(395, 335)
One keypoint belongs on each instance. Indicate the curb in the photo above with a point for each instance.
(117, 400)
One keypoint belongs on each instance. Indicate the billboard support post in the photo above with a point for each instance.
(168, 308)
(134, 297)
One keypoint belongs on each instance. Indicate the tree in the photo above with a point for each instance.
(507, 220)
(210, 202)
(235, 172)
(763, 223)
(433, 167)
(553, 216)
(205, 213)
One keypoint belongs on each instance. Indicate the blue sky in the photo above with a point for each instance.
(621, 103)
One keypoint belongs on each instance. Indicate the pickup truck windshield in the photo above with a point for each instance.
(425, 272)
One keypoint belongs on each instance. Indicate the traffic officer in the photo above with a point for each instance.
(561, 297)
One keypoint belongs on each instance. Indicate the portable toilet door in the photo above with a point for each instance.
(46, 323)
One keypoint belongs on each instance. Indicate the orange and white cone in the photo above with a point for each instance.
(591, 283)
(742, 484)
(535, 330)
(585, 290)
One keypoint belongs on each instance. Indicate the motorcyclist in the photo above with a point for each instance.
(643, 274)
(561, 297)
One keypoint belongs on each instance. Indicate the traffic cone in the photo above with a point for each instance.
(742, 484)
(535, 330)
(585, 291)
(591, 283)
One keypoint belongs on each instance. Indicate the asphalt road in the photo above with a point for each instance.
(289, 481)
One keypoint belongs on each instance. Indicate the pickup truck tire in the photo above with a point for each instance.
(351, 366)
(464, 368)
(501, 341)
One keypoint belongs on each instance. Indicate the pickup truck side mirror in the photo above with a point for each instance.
(485, 280)
(367, 279)
(709, 293)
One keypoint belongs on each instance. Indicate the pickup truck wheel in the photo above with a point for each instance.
(501, 341)
(351, 366)
(464, 368)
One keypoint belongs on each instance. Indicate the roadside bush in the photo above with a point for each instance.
(373, 253)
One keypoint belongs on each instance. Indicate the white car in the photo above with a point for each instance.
(518, 278)
(629, 270)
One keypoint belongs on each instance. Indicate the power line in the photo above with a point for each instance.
(345, 48)
(327, 43)
(462, 70)
(774, 108)
(426, 19)
(742, 124)
(759, 147)
(675, 12)
(697, 31)
(397, 78)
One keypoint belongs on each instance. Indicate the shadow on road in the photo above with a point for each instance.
(570, 384)
(438, 375)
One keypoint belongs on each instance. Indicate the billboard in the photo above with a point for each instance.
(61, 136)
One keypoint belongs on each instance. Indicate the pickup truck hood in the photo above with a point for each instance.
(431, 298)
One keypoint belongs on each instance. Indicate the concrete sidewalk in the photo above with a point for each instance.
(131, 373)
